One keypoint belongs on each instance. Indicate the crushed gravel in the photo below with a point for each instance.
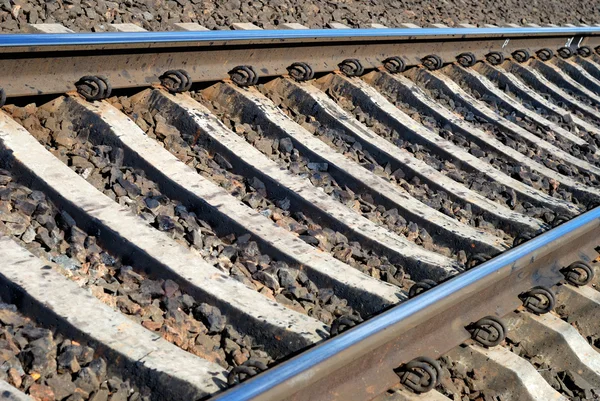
(522, 173)
(461, 383)
(476, 181)
(159, 15)
(282, 151)
(238, 256)
(252, 191)
(349, 147)
(565, 121)
(158, 305)
(514, 141)
(47, 366)
(567, 382)
(587, 153)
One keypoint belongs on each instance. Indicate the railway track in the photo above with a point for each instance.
(382, 214)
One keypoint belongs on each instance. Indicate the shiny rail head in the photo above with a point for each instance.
(306, 366)
(278, 35)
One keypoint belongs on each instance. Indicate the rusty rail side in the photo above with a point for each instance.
(360, 363)
(35, 64)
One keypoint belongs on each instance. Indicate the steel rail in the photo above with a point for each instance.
(31, 41)
(359, 364)
(35, 64)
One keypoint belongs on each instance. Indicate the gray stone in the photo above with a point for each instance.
(318, 166)
(215, 321)
(267, 278)
(120, 395)
(131, 189)
(98, 366)
(165, 223)
(66, 262)
(62, 386)
(152, 288)
(151, 203)
(221, 161)
(100, 395)
(67, 361)
(284, 203)
(265, 146)
(29, 235)
(286, 145)
(287, 277)
(26, 207)
(41, 355)
(87, 380)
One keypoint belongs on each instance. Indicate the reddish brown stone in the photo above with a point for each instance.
(15, 377)
(39, 392)
(150, 325)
